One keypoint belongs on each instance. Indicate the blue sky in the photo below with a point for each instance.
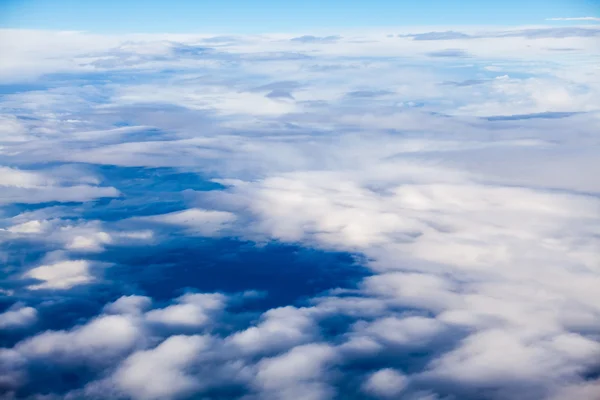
(239, 16)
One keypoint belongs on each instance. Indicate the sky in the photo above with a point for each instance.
(245, 202)
(239, 16)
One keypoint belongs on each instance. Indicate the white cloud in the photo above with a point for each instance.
(18, 316)
(134, 305)
(160, 373)
(100, 341)
(30, 227)
(61, 275)
(91, 242)
(300, 373)
(192, 310)
(385, 383)
(198, 221)
(34, 187)
(409, 331)
(574, 19)
(278, 329)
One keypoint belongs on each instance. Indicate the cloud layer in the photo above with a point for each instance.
(398, 214)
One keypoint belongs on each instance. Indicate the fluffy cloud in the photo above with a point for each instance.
(300, 373)
(196, 221)
(100, 341)
(61, 275)
(192, 310)
(385, 383)
(279, 329)
(18, 316)
(159, 373)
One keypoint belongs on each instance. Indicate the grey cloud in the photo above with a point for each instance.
(315, 39)
(448, 35)
(280, 85)
(450, 53)
(279, 94)
(468, 82)
(537, 33)
(368, 93)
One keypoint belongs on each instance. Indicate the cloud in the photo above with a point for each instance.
(128, 305)
(100, 341)
(315, 39)
(159, 373)
(385, 383)
(279, 329)
(449, 53)
(18, 316)
(531, 33)
(448, 35)
(410, 331)
(192, 310)
(38, 187)
(574, 19)
(197, 221)
(299, 373)
(61, 275)
(368, 93)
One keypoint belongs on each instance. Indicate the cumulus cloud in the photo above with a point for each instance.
(193, 309)
(128, 305)
(385, 383)
(61, 275)
(18, 316)
(279, 329)
(101, 340)
(159, 373)
(302, 372)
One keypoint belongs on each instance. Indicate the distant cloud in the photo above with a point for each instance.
(368, 93)
(280, 94)
(450, 53)
(316, 39)
(574, 19)
(448, 35)
(468, 82)
(526, 33)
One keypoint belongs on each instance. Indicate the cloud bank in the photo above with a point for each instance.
(384, 215)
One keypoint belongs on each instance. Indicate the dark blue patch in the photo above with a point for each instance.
(288, 274)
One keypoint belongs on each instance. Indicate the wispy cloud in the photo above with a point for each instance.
(574, 19)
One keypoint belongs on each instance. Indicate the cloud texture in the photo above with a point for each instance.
(387, 215)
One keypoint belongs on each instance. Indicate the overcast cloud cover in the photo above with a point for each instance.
(379, 215)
